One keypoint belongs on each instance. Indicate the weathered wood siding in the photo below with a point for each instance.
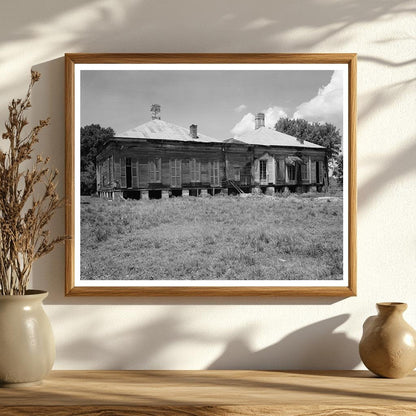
(148, 153)
(150, 164)
(238, 157)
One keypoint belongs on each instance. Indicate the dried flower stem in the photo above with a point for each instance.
(23, 216)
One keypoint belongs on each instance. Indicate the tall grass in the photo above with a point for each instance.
(229, 238)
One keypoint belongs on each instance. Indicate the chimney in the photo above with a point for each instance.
(193, 131)
(259, 120)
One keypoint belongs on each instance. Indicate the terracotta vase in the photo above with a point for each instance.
(27, 346)
(388, 345)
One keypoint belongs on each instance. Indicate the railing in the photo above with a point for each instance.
(235, 186)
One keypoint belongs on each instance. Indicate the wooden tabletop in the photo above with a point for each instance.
(208, 393)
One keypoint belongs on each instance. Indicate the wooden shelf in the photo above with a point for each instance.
(212, 393)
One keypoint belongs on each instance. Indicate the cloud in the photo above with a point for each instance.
(326, 106)
(272, 114)
(240, 108)
(247, 123)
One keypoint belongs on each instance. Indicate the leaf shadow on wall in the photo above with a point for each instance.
(139, 26)
(256, 31)
(397, 166)
(313, 347)
(146, 346)
(142, 345)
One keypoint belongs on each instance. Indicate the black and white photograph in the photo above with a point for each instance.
(211, 175)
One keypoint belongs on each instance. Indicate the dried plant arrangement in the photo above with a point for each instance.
(28, 199)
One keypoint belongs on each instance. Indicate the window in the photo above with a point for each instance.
(195, 170)
(101, 173)
(123, 172)
(304, 169)
(245, 173)
(117, 170)
(134, 173)
(214, 173)
(110, 169)
(154, 170)
(291, 172)
(263, 170)
(175, 173)
(319, 171)
(237, 173)
(280, 170)
(128, 172)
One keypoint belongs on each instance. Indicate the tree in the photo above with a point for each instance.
(93, 138)
(326, 135)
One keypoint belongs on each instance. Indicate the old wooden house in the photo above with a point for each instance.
(159, 159)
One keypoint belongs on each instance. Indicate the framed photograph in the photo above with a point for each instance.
(211, 174)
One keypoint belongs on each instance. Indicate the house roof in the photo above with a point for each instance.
(269, 137)
(162, 130)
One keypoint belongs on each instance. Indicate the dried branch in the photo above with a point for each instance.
(24, 216)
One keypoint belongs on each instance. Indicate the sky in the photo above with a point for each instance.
(222, 103)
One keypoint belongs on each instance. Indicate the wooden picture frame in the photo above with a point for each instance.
(109, 185)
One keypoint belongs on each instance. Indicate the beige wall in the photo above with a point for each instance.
(234, 333)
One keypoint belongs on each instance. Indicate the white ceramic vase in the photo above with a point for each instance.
(27, 346)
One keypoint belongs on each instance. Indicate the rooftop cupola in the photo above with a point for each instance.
(155, 110)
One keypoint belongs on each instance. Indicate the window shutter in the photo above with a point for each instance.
(313, 171)
(175, 172)
(110, 170)
(195, 170)
(117, 172)
(257, 170)
(134, 173)
(123, 172)
(192, 169)
(321, 171)
(151, 171)
(158, 173)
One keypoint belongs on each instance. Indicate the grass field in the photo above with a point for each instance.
(231, 238)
